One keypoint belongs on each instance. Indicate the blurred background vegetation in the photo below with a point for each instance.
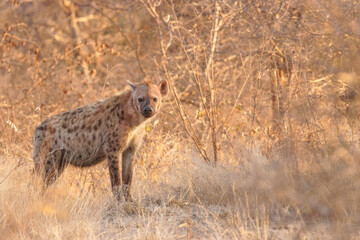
(242, 70)
(277, 78)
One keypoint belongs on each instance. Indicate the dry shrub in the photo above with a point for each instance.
(269, 89)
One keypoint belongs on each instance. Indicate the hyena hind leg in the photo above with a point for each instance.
(53, 166)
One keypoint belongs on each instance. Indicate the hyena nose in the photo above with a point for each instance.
(148, 111)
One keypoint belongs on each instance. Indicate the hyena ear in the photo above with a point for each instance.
(132, 85)
(163, 87)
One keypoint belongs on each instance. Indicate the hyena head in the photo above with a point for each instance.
(147, 96)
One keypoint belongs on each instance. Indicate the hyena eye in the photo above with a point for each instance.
(155, 99)
(140, 99)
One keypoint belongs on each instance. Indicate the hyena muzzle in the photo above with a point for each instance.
(103, 130)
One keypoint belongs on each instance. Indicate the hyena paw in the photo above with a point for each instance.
(126, 193)
(116, 190)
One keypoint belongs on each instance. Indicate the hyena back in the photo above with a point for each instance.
(95, 132)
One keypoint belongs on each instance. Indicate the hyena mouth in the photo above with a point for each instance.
(147, 112)
(147, 115)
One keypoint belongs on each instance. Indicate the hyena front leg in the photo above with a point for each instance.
(127, 165)
(115, 178)
(115, 143)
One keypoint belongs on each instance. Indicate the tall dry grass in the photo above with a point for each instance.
(178, 195)
(277, 106)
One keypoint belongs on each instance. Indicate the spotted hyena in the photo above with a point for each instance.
(90, 134)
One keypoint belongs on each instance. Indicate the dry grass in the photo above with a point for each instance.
(272, 89)
(182, 197)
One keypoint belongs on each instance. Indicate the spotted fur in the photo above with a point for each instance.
(103, 130)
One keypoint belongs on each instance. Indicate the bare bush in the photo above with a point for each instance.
(259, 139)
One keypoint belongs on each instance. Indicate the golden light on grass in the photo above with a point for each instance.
(258, 140)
